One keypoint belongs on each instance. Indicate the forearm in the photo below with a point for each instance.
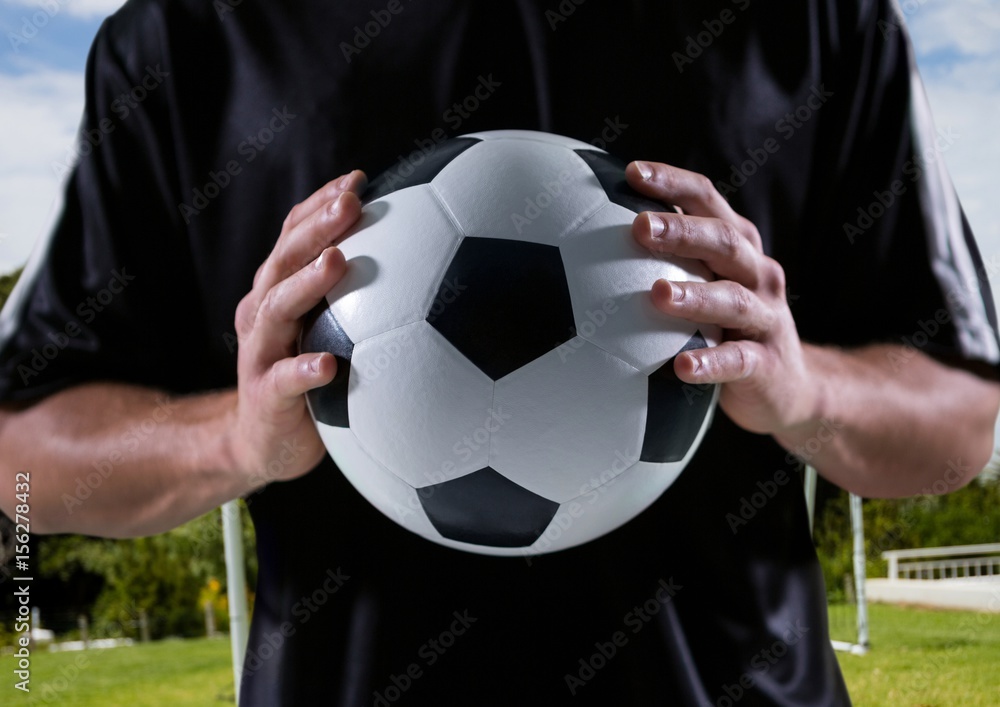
(115, 460)
(894, 422)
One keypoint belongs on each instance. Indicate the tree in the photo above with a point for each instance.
(968, 516)
(167, 575)
(7, 283)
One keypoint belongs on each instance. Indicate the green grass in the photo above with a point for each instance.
(919, 658)
(926, 658)
(173, 672)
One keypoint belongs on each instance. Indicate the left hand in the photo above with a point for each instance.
(761, 363)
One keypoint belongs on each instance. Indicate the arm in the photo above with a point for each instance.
(116, 460)
(879, 421)
(163, 461)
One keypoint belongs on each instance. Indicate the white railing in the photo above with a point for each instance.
(955, 562)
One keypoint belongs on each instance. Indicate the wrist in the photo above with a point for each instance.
(815, 410)
(228, 451)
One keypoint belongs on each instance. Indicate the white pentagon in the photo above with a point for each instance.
(396, 256)
(523, 190)
(381, 488)
(549, 138)
(419, 406)
(564, 417)
(610, 276)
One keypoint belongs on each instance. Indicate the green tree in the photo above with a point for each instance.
(968, 516)
(167, 575)
(7, 283)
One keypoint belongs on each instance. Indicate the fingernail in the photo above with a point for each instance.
(696, 364)
(318, 263)
(656, 226)
(314, 364)
(645, 171)
(677, 292)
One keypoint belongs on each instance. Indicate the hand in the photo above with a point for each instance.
(761, 363)
(272, 435)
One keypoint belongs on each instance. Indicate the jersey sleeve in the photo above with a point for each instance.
(109, 295)
(889, 254)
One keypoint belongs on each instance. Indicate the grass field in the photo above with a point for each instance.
(919, 658)
(927, 658)
(184, 673)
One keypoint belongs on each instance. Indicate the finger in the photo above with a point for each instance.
(715, 242)
(277, 323)
(355, 181)
(307, 240)
(289, 378)
(728, 362)
(723, 302)
(694, 193)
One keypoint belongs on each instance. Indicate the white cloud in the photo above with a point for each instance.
(964, 93)
(41, 112)
(965, 26)
(84, 9)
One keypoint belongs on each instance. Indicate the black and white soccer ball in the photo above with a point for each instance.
(504, 383)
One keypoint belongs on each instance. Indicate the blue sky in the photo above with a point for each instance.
(41, 98)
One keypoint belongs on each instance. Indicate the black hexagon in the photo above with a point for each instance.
(485, 508)
(610, 172)
(322, 332)
(674, 411)
(419, 167)
(503, 303)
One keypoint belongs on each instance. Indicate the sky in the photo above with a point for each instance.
(45, 46)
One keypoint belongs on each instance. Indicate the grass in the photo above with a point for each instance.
(919, 658)
(925, 658)
(172, 672)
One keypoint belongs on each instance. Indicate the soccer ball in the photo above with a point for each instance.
(505, 385)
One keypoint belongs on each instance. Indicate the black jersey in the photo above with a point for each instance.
(807, 116)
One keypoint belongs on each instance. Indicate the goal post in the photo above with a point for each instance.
(860, 644)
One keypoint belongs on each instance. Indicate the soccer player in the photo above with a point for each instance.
(154, 339)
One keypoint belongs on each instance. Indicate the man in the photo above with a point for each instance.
(801, 116)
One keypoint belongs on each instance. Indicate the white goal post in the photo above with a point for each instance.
(860, 645)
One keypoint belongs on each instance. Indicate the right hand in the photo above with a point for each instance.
(271, 435)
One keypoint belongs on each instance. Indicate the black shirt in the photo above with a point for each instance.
(807, 116)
